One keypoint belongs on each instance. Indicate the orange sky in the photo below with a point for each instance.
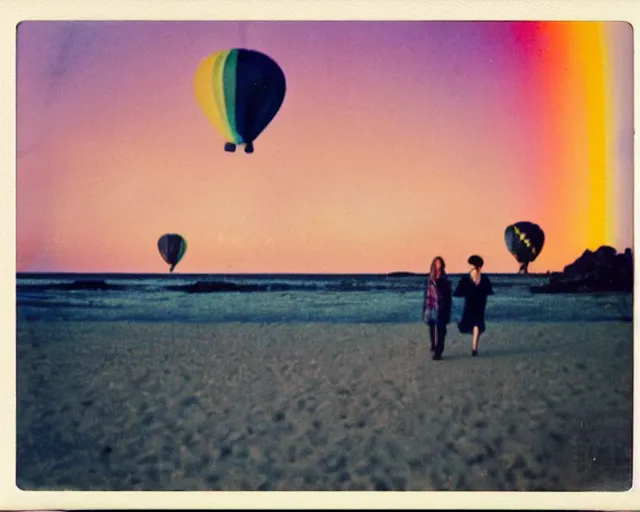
(395, 142)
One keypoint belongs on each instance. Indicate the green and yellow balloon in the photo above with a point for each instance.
(172, 248)
(240, 92)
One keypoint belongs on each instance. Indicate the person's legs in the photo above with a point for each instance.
(476, 339)
(432, 336)
(436, 354)
(441, 333)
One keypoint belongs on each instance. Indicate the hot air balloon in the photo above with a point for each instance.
(525, 241)
(172, 248)
(240, 92)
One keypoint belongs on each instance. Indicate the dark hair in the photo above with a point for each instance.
(432, 270)
(475, 261)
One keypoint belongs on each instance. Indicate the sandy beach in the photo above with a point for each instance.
(131, 406)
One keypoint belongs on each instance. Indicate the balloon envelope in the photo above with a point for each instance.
(240, 92)
(172, 248)
(524, 240)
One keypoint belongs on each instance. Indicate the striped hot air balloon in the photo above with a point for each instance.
(525, 241)
(172, 248)
(240, 92)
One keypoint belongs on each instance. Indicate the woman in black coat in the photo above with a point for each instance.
(475, 288)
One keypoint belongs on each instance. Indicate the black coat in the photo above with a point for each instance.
(475, 302)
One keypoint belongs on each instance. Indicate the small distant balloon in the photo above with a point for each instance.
(172, 248)
(240, 92)
(524, 241)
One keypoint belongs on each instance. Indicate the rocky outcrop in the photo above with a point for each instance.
(75, 285)
(604, 270)
(223, 286)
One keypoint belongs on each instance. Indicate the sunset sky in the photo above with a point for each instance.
(396, 142)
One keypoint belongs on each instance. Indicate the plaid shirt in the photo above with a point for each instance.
(432, 300)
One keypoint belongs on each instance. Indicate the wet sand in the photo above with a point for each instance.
(323, 407)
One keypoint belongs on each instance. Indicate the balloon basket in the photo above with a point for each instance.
(229, 147)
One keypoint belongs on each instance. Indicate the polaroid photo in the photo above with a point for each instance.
(293, 255)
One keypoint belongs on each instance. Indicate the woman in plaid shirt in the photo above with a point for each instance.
(436, 310)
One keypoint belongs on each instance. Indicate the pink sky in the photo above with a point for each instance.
(395, 142)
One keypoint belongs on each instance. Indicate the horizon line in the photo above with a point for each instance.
(390, 273)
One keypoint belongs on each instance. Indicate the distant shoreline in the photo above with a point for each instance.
(178, 275)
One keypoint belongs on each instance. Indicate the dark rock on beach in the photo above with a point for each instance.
(92, 285)
(604, 270)
(402, 274)
(215, 286)
(222, 286)
(75, 285)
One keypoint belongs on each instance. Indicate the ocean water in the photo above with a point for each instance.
(291, 298)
